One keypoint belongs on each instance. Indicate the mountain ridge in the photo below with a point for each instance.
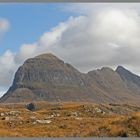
(48, 78)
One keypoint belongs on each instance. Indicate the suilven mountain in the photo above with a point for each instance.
(47, 78)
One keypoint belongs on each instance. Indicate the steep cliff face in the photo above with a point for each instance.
(47, 78)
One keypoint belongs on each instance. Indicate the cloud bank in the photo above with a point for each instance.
(105, 37)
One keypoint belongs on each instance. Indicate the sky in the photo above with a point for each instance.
(89, 36)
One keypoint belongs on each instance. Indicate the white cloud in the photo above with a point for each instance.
(101, 37)
(4, 25)
(2, 91)
(86, 8)
(7, 69)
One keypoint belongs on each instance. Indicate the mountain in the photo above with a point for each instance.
(48, 78)
(111, 84)
(132, 80)
(128, 76)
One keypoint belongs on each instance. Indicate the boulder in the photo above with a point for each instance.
(44, 121)
(31, 107)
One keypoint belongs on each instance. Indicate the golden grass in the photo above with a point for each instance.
(68, 124)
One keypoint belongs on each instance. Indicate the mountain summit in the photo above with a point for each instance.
(128, 76)
(48, 78)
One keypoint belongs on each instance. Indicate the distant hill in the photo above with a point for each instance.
(47, 78)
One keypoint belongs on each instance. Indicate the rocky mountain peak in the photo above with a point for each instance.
(128, 76)
(107, 69)
(121, 68)
(48, 56)
(124, 73)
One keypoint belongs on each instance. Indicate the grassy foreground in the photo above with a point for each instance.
(70, 120)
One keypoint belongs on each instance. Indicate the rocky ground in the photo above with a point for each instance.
(69, 120)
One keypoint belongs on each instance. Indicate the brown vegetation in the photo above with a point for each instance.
(69, 120)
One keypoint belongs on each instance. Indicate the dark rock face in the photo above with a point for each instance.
(47, 78)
